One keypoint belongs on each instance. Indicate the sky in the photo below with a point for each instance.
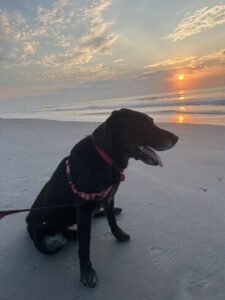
(97, 49)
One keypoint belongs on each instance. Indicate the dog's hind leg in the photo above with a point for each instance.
(71, 232)
(49, 239)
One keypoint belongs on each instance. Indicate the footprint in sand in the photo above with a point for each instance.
(203, 189)
(71, 263)
(107, 236)
(199, 285)
(161, 257)
(31, 265)
(193, 284)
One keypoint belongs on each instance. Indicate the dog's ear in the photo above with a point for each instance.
(119, 126)
(117, 118)
(120, 114)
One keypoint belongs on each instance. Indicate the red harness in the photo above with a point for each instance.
(92, 196)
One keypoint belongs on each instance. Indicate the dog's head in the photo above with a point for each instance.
(134, 135)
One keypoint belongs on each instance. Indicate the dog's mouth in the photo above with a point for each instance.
(149, 156)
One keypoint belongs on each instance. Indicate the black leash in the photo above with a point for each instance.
(4, 213)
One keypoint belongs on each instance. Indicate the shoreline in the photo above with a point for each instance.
(96, 122)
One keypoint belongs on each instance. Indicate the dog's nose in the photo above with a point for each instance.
(176, 138)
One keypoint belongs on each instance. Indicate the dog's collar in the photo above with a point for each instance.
(86, 196)
(108, 159)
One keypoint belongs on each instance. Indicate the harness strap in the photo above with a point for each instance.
(108, 159)
(85, 196)
(102, 153)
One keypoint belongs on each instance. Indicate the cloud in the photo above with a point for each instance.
(4, 25)
(30, 47)
(193, 63)
(216, 58)
(61, 14)
(15, 34)
(98, 39)
(11, 25)
(119, 60)
(101, 45)
(169, 64)
(82, 73)
(62, 40)
(93, 14)
(203, 19)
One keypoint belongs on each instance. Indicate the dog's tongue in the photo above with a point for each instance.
(152, 155)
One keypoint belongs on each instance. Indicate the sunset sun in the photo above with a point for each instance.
(181, 77)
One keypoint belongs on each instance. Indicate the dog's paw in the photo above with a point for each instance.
(117, 211)
(121, 236)
(89, 278)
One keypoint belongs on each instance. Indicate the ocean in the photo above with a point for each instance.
(198, 106)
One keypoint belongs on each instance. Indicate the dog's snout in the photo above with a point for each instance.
(175, 138)
(172, 140)
(163, 140)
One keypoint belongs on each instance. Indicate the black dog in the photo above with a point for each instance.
(89, 178)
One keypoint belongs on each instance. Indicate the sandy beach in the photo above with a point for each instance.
(175, 216)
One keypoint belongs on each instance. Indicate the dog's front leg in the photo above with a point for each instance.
(120, 235)
(88, 274)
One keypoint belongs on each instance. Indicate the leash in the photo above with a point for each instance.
(4, 213)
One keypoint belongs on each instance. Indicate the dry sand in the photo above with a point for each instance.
(175, 216)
